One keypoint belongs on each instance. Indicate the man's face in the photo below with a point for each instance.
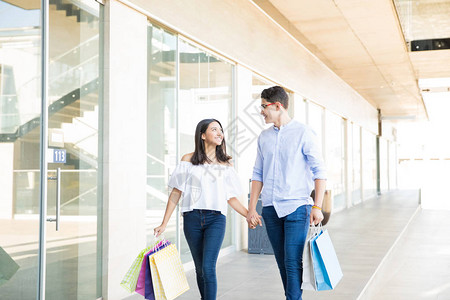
(269, 111)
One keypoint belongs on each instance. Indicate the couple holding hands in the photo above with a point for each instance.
(288, 165)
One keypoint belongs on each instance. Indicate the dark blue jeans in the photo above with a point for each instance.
(204, 231)
(287, 236)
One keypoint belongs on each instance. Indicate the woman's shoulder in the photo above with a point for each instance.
(187, 157)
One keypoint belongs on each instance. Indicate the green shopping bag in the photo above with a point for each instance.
(130, 279)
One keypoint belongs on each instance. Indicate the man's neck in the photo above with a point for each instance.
(282, 120)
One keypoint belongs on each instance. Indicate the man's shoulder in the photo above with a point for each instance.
(299, 127)
(266, 132)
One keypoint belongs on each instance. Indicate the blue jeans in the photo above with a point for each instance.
(204, 231)
(287, 236)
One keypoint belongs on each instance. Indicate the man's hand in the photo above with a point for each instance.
(316, 216)
(253, 219)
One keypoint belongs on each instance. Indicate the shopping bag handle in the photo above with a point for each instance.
(159, 241)
(315, 229)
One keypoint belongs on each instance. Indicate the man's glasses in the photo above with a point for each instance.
(263, 106)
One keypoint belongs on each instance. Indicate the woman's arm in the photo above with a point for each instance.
(174, 197)
(238, 207)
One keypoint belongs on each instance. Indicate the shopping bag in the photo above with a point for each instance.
(148, 284)
(308, 278)
(8, 267)
(130, 279)
(327, 270)
(168, 277)
(140, 284)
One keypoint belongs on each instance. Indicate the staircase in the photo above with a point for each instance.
(77, 9)
(64, 110)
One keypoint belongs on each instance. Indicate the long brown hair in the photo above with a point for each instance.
(199, 157)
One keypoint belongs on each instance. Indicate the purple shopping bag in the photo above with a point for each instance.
(140, 285)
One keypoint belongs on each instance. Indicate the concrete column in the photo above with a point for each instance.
(124, 142)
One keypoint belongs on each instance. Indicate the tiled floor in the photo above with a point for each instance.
(418, 267)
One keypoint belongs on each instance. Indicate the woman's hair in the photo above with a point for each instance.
(199, 157)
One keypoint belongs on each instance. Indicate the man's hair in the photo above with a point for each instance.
(276, 94)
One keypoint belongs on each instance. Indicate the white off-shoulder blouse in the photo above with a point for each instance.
(207, 186)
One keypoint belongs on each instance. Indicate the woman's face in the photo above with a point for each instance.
(213, 134)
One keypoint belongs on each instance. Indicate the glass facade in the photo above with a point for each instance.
(186, 84)
(315, 120)
(335, 158)
(161, 126)
(73, 261)
(384, 165)
(355, 177)
(392, 150)
(20, 106)
(369, 162)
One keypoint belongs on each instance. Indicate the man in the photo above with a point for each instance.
(288, 165)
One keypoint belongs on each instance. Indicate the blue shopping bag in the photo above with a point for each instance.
(327, 269)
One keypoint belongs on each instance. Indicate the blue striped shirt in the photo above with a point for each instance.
(288, 161)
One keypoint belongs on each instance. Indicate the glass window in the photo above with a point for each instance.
(392, 165)
(369, 164)
(206, 91)
(161, 127)
(20, 107)
(355, 175)
(315, 120)
(300, 109)
(384, 171)
(73, 105)
(335, 158)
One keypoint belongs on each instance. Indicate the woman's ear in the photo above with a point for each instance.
(203, 136)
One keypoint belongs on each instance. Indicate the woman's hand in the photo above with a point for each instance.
(159, 230)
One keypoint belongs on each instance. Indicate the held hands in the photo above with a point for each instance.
(316, 216)
(253, 219)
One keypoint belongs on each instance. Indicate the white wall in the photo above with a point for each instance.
(125, 143)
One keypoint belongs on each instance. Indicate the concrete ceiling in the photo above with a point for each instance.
(363, 43)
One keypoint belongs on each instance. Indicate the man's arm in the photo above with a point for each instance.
(316, 212)
(253, 218)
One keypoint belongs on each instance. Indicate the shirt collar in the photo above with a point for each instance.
(283, 126)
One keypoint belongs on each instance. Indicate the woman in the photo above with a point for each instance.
(207, 181)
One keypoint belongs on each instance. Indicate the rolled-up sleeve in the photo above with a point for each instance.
(313, 155)
(258, 168)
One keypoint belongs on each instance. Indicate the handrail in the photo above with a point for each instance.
(156, 159)
(73, 49)
(77, 197)
(57, 59)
